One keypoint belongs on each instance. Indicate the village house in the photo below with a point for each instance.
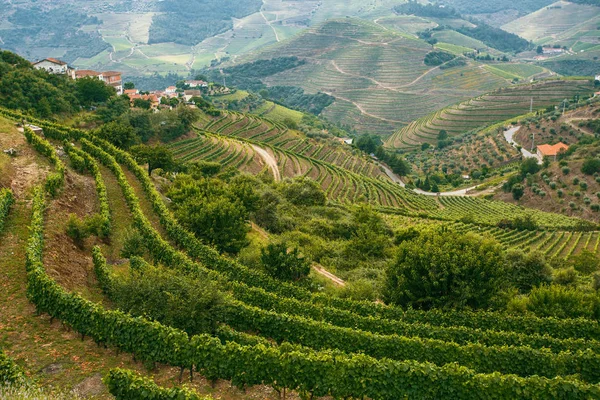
(152, 98)
(131, 91)
(111, 78)
(54, 66)
(196, 84)
(188, 94)
(171, 90)
(547, 150)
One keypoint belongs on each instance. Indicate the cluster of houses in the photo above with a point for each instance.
(155, 97)
(114, 79)
(58, 67)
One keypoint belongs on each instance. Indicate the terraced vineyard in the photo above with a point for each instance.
(333, 347)
(345, 178)
(497, 106)
(560, 23)
(393, 88)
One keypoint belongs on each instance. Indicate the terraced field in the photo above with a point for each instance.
(346, 178)
(399, 353)
(383, 94)
(494, 107)
(560, 23)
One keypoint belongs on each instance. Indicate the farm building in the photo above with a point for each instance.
(111, 78)
(547, 150)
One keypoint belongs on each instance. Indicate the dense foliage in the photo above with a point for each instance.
(189, 22)
(446, 270)
(436, 58)
(493, 6)
(52, 27)
(496, 37)
(24, 88)
(6, 201)
(429, 10)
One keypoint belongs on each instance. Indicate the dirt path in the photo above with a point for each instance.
(363, 111)
(269, 160)
(322, 271)
(269, 22)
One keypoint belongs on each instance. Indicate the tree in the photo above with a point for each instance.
(529, 166)
(177, 300)
(443, 135)
(303, 192)
(526, 271)
(539, 50)
(283, 264)
(143, 104)
(367, 143)
(217, 221)
(120, 134)
(590, 166)
(518, 191)
(446, 270)
(155, 156)
(128, 86)
(93, 91)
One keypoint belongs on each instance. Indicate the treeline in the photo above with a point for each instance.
(492, 6)
(372, 144)
(189, 22)
(295, 97)
(429, 10)
(573, 67)
(436, 58)
(496, 37)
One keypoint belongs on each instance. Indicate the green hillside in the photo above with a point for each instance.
(190, 254)
(485, 110)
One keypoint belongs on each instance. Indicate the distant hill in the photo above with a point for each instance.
(562, 23)
(378, 76)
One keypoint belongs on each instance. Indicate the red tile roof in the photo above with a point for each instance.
(86, 72)
(549, 150)
(111, 73)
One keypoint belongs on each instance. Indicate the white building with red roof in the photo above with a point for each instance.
(54, 66)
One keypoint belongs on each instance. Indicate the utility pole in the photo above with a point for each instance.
(531, 106)
(564, 106)
(533, 142)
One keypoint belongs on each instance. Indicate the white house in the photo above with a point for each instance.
(54, 66)
(597, 77)
(196, 84)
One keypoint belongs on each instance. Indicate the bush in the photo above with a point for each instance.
(526, 271)
(303, 192)
(561, 302)
(566, 170)
(446, 270)
(77, 230)
(591, 166)
(585, 262)
(565, 276)
(282, 264)
(133, 245)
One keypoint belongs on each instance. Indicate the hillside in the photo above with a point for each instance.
(368, 94)
(562, 187)
(488, 109)
(77, 285)
(562, 23)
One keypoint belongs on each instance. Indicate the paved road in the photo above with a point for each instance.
(509, 134)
